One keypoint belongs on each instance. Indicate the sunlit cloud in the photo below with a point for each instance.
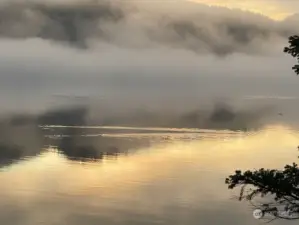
(274, 9)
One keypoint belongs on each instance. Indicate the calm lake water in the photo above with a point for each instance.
(147, 176)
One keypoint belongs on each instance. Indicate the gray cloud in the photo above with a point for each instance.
(71, 23)
(131, 24)
(226, 33)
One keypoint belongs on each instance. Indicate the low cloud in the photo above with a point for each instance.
(71, 23)
(204, 29)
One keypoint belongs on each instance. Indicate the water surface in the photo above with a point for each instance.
(158, 176)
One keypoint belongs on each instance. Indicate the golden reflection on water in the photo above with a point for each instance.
(272, 147)
(174, 173)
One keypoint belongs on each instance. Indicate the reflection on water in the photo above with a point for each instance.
(153, 177)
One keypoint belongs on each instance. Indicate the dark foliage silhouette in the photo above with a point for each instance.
(293, 50)
(281, 186)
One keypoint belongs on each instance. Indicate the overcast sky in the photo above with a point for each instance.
(141, 49)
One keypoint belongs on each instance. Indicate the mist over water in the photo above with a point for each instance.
(135, 112)
(119, 56)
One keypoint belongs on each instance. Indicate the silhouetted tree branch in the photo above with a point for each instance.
(293, 50)
(282, 185)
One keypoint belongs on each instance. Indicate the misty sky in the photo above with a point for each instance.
(275, 9)
(144, 52)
